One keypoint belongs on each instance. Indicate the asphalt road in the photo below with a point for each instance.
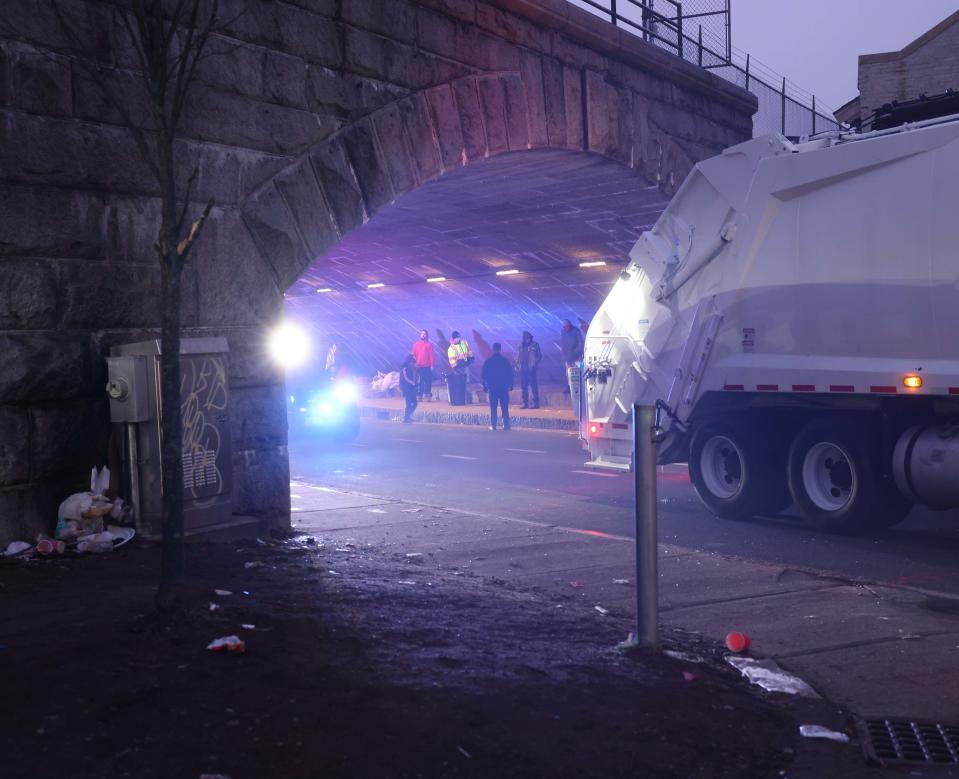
(539, 476)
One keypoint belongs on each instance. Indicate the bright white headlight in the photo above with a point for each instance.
(289, 345)
(346, 392)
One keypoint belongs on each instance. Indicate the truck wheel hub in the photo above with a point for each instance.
(721, 466)
(828, 477)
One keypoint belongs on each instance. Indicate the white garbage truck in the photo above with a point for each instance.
(794, 315)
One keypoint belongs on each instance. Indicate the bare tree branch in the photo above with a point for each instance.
(183, 248)
(181, 220)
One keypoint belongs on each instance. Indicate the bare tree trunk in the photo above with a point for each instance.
(171, 466)
(167, 40)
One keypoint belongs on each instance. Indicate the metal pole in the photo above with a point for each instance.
(729, 34)
(133, 465)
(612, 12)
(647, 577)
(784, 105)
(813, 114)
(747, 71)
(679, 29)
(700, 45)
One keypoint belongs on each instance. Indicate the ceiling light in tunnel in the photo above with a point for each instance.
(289, 345)
(435, 279)
(325, 289)
(592, 264)
(375, 285)
(508, 272)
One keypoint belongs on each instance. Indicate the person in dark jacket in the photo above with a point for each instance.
(498, 381)
(571, 341)
(527, 361)
(408, 384)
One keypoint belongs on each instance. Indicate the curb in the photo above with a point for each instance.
(478, 418)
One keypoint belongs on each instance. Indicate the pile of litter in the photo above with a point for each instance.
(82, 524)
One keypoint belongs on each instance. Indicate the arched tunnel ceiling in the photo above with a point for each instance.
(541, 212)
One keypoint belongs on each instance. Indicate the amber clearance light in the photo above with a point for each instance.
(912, 381)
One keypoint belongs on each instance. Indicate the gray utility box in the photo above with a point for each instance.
(134, 389)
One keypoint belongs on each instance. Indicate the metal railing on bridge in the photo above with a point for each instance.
(699, 32)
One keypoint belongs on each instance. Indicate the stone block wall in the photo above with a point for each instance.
(929, 65)
(313, 115)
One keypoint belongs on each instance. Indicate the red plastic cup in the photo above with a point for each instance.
(50, 546)
(737, 642)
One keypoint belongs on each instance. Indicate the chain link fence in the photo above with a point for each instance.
(699, 32)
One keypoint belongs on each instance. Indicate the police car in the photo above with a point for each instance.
(330, 408)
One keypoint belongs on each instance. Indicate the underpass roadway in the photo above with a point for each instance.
(871, 623)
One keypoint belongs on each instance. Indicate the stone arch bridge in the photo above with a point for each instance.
(312, 116)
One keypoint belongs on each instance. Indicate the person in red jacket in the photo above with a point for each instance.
(425, 359)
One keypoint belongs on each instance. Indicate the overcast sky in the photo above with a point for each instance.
(815, 43)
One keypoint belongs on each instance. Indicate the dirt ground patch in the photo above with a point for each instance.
(360, 664)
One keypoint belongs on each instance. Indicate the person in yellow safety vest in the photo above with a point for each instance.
(460, 357)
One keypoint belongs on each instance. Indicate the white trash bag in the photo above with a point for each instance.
(382, 383)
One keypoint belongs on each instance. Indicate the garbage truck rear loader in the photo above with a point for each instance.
(794, 313)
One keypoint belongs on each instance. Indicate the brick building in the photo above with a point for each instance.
(927, 66)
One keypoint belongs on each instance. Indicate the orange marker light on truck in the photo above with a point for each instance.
(593, 429)
(912, 381)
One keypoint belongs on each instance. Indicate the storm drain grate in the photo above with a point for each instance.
(922, 742)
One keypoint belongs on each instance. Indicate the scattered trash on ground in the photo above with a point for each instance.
(689, 677)
(248, 626)
(412, 511)
(463, 752)
(214, 606)
(405, 581)
(576, 585)
(88, 538)
(95, 543)
(818, 731)
(686, 657)
(768, 675)
(46, 546)
(620, 581)
(414, 554)
(223, 593)
(228, 643)
(253, 564)
(738, 642)
(601, 610)
(16, 548)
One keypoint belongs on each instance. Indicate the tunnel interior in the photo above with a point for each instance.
(560, 222)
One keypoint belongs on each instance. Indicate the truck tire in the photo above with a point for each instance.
(734, 474)
(835, 478)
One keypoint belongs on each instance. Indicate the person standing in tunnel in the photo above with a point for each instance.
(571, 341)
(527, 361)
(425, 362)
(498, 381)
(408, 383)
(460, 358)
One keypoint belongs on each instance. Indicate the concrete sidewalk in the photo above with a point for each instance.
(440, 411)
(881, 651)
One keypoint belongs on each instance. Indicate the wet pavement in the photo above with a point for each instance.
(872, 624)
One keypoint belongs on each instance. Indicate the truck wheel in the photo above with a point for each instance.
(835, 477)
(733, 473)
